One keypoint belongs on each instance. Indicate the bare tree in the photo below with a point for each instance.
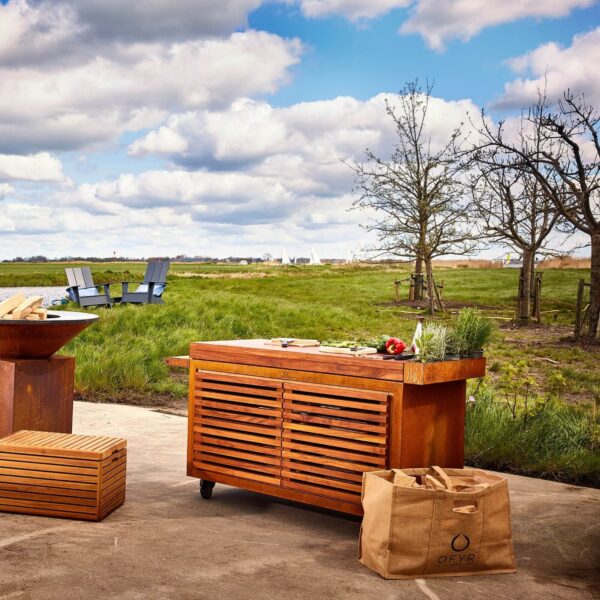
(566, 166)
(419, 199)
(513, 208)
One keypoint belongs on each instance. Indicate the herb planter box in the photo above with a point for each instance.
(62, 475)
(304, 425)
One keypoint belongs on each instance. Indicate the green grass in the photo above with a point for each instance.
(121, 358)
(125, 350)
(557, 441)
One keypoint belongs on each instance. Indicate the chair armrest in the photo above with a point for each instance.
(150, 291)
(78, 287)
(75, 290)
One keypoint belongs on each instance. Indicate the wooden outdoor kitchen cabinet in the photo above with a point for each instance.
(304, 425)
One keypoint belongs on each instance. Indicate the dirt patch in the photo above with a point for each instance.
(547, 348)
(448, 305)
(167, 403)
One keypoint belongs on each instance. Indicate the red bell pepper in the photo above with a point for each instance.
(395, 346)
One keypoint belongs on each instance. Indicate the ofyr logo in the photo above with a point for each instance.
(459, 544)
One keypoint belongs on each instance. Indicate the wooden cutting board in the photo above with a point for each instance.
(294, 342)
(351, 351)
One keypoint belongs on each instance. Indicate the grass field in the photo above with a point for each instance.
(121, 358)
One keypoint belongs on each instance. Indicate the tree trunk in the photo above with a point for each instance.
(594, 310)
(524, 303)
(418, 295)
(419, 265)
(430, 286)
(532, 289)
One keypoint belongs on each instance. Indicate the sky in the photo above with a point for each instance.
(225, 127)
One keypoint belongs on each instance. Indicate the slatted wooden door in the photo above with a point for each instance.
(237, 425)
(331, 436)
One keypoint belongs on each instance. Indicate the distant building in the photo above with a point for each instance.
(513, 263)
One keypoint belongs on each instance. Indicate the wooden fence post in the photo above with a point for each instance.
(520, 294)
(537, 299)
(437, 296)
(578, 308)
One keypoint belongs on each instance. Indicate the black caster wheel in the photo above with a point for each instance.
(206, 488)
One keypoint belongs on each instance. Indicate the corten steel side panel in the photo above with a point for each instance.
(42, 398)
(433, 425)
(7, 386)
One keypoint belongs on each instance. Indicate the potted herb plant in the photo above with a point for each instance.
(472, 331)
(452, 346)
(432, 342)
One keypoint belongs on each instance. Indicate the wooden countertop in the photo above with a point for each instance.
(260, 353)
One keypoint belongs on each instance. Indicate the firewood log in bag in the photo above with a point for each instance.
(410, 530)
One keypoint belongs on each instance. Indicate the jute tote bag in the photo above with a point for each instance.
(435, 523)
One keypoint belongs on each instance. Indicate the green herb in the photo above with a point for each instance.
(432, 342)
(472, 331)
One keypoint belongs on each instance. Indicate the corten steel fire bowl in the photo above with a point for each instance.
(41, 339)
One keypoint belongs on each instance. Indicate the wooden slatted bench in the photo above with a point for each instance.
(62, 475)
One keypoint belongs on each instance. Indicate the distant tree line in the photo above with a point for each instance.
(120, 259)
(91, 259)
(497, 183)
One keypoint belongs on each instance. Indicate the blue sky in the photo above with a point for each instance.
(364, 59)
(164, 129)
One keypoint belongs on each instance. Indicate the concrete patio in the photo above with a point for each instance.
(168, 543)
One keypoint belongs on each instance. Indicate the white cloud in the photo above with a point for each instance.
(257, 178)
(32, 33)
(227, 197)
(252, 133)
(557, 68)
(35, 167)
(47, 31)
(72, 106)
(351, 9)
(5, 190)
(439, 21)
(161, 19)
(161, 141)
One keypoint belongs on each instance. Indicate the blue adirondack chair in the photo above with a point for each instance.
(84, 291)
(151, 289)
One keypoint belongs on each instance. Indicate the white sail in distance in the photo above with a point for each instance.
(314, 257)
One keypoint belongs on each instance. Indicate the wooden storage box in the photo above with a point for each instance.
(62, 475)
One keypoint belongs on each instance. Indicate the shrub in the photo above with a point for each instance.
(551, 439)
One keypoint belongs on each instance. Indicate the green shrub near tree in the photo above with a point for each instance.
(513, 427)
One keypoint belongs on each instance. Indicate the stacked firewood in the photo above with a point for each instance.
(18, 307)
